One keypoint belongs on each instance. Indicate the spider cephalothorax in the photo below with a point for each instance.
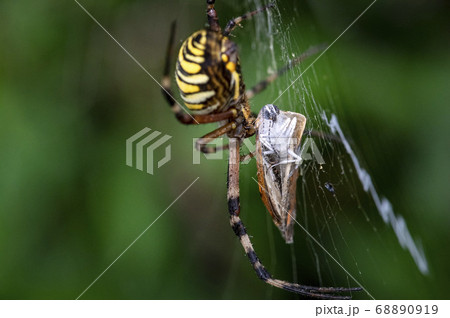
(209, 78)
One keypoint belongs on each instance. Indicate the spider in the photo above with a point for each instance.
(208, 75)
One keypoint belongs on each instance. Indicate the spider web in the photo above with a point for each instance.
(340, 209)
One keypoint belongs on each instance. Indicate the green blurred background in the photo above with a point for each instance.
(70, 97)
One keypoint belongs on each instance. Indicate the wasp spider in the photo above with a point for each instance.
(208, 75)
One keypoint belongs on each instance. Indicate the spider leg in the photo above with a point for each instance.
(213, 149)
(211, 13)
(201, 143)
(231, 25)
(239, 229)
(258, 88)
(248, 156)
(166, 90)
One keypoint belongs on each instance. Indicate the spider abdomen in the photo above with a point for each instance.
(207, 82)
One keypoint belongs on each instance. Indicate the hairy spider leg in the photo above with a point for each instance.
(240, 231)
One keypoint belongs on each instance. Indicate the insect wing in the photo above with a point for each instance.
(278, 157)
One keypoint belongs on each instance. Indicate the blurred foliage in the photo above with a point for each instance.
(70, 97)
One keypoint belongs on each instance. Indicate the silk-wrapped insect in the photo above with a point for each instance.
(278, 138)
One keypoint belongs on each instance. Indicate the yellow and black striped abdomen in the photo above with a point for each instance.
(204, 81)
